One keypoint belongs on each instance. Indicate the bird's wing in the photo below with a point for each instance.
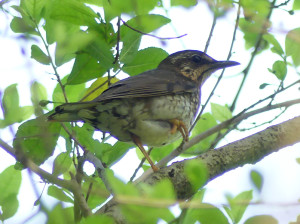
(155, 82)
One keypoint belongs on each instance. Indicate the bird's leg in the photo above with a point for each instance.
(180, 126)
(138, 142)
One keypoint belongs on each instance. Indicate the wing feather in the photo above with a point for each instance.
(151, 83)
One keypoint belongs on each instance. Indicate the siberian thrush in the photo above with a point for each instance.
(153, 108)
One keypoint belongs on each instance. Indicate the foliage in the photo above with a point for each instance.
(84, 33)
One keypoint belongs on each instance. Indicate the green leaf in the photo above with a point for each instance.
(97, 87)
(144, 60)
(119, 187)
(262, 219)
(59, 194)
(69, 45)
(264, 85)
(10, 181)
(115, 8)
(131, 44)
(19, 25)
(97, 191)
(62, 163)
(206, 121)
(296, 5)
(251, 31)
(163, 192)
(112, 154)
(102, 52)
(98, 219)
(38, 92)
(276, 46)
(131, 39)
(221, 113)
(184, 3)
(37, 139)
(39, 55)
(107, 153)
(33, 8)
(238, 205)
(73, 12)
(206, 214)
(292, 45)
(197, 173)
(279, 69)
(59, 31)
(160, 152)
(257, 179)
(73, 92)
(9, 207)
(191, 215)
(13, 113)
(85, 68)
(145, 23)
(60, 215)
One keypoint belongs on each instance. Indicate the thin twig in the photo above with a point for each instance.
(222, 73)
(140, 165)
(51, 62)
(70, 185)
(256, 49)
(118, 40)
(141, 32)
(211, 32)
(93, 159)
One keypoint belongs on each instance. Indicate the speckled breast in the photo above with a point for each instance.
(147, 118)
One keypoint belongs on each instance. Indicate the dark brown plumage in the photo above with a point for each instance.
(153, 108)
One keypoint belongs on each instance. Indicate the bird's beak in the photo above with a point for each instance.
(224, 64)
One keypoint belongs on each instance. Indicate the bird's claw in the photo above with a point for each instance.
(180, 126)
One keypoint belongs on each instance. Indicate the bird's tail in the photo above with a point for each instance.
(70, 111)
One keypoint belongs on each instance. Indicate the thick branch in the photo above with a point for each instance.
(248, 150)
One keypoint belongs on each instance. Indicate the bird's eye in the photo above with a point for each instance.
(196, 58)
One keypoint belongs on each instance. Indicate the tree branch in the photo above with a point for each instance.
(245, 151)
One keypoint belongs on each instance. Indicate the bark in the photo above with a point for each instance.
(245, 151)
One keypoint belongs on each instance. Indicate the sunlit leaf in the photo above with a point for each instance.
(13, 113)
(279, 69)
(221, 113)
(62, 163)
(72, 11)
(197, 173)
(276, 46)
(37, 139)
(144, 60)
(39, 55)
(292, 45)
(98, 87)
(10, 181)
(238, 205)
(59, 194)
(206, 121)
(262, 219)
(184, 3)
(19, 25)
(257, 179)
(60, 215)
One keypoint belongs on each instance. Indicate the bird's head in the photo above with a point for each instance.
(193, 64)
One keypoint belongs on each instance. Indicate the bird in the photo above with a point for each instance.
(154, 108)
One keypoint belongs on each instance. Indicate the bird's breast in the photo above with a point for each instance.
(152, 117)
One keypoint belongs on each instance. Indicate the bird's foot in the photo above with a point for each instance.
(139, 144)
(180, 126)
